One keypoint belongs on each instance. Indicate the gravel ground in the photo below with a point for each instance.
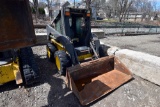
(52, 91)
(144, 43)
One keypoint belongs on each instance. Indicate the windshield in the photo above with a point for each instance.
(77, 25)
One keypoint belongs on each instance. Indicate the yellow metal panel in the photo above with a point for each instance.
(17, 72)
(58, 63)
(83, 57)
(48, 53)
(8, 72)
(58, 45)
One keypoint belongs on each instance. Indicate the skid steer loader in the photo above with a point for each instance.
(77, 54)
(16, 36)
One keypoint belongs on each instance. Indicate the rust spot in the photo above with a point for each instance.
(16, 25)
(92, 80)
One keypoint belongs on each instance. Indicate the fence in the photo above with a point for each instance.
(125, 28)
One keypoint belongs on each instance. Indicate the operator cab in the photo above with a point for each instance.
(75, 24)
(78, 29)
(78, 26)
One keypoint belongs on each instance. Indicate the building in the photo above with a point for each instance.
(134, 16)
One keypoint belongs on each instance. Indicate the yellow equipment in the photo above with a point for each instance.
(78, 54)
(16, 36)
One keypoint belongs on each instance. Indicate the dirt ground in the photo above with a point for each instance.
(51, 91)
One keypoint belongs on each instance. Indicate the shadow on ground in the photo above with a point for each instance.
(8, 86)
(59, 95)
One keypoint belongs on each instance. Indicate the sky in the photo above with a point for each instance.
(158, 3)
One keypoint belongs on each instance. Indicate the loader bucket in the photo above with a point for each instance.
(16, 26)
(91, 80)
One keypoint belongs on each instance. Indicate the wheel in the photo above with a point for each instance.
(103, 51)
(28, 66)
(62, 61)
(51, 49)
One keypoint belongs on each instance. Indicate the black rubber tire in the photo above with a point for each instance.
(28, 66)
(52, 50)
(64, 61)
(103, 51)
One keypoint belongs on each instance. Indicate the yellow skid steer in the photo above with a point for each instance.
(78, 54)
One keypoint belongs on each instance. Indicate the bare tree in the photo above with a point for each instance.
(120, 7)
(155, 10)
(123, 6)
(113, 5)
(107, 9)
(146, 7)
(88, 3)
(49, 5)
(35, 2)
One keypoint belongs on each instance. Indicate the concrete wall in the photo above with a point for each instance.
(141, 64)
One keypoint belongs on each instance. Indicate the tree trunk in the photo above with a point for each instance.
(120, 18)
(36, 9)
